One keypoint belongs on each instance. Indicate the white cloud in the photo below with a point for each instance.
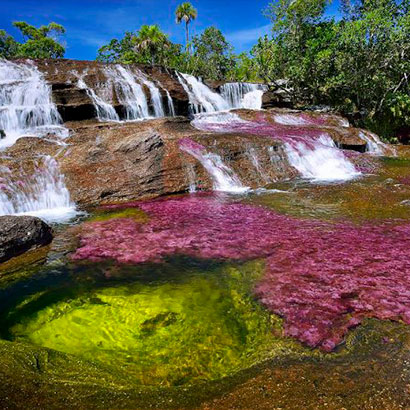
(241, 39)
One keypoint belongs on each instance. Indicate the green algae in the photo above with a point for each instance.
(202, 327)
(372, 197)
(134, 213)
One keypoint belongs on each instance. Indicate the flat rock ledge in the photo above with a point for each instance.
(19, 234)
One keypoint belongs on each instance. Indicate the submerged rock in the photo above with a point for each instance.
(19, 234)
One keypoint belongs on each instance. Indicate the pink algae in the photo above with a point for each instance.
(322, 278)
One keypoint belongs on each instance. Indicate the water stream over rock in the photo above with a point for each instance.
(237, 249)
(26, 107)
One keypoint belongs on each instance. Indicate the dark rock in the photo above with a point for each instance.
(2, 134)
(19, 234)
(403, 135)
(272, 99)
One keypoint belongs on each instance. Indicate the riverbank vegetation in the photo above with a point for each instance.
(357, 62)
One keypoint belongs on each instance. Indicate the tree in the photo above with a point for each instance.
(8, 46)
(40, 42)
(359, 64)
(149, 45)
(152, 41)
(212, 57)
(186, 12)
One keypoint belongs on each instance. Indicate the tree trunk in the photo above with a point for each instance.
(187, 37)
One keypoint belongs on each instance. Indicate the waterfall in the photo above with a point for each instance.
(171, 108)
(312, 152)
(201, 97)
(224, 179)
(320, 160)
(104, 110)
(156, 98)
(128, 85)
(232, 95)
(374, 145)
(243, 95)
(129, 93)
(42, 193)
(253, 158)
(26, 107)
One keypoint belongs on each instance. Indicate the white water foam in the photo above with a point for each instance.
(374, 146)
(224, 178)
(321, 161)
(43, 194)
(201, 97)
(105, 111)
(243, 95)
(129, 93)
(26, 108)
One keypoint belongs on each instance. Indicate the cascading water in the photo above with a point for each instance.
(104, 110)
(171, 107)
(224, 179)
(374, 145)
(243, 95)
(312, 152)
(42, 193)
(156, 98)
(26, 107)
(129, 93)
(128, 86)
(320, 160)
(201, 97)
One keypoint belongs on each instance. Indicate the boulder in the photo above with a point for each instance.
(19, 234)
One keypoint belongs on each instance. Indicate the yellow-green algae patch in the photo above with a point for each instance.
(370, 197)
(202, 328)
(133, 213)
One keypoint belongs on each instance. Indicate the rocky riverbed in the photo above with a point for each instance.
(168, 243)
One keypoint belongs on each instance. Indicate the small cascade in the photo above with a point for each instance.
(26, 107)
(201, 97)
(156, 98)
(191, 175)
(128, 85)
(374, 145)
(104, 110)
(253, 157)
(224, 178)
(243, 95)
(129, 93)
(42, 193)
(310, 150)
(171, 107)
(320, 160)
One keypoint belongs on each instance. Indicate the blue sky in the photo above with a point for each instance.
(93, 23)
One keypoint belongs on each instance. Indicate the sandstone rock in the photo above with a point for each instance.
(73, 102)
(18, 234)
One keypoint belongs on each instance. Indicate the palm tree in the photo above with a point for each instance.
(152, 40)
(186, 12)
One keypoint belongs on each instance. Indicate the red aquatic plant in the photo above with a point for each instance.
(321, 277)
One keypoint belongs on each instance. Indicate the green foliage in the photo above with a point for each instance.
(186, 12)
(244, 69)
(8, 46)
(359, 64)
(212, 57)
(39, 42)
(149, 45)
